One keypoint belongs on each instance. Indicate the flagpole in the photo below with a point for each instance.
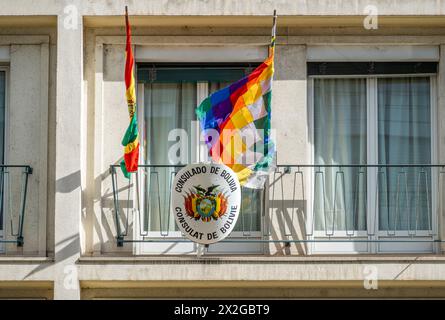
(274, 31)
(126, 16)
(131, 138)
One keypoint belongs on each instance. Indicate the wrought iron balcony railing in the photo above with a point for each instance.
(13, 192)
(315, 203)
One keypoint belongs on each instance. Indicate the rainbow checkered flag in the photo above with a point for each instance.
(131, 137)
(235, 123)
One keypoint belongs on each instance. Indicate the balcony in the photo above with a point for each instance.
(13, 193)
(304, 209)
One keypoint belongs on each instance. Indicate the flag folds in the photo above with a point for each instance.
(235, 123)
(131, 137)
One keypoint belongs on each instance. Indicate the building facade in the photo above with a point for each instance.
(354, 208)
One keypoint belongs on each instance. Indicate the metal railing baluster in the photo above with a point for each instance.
(147, 200)
(286, 228)
(294, 208)
(407, 201)
(9, 201)
(243, 214)
(356, 203)
(428, 204)
(383, 176)
(170, 176)
(119, 236)
(316, 205)
(158, 202)
(418, 202)
(24, 190)
(140, 219)
(130, 208)
(2, 197)
(282, 207)
(339, 176)
(397, 204)
(441, 192)
(269, 216)
(17, 228)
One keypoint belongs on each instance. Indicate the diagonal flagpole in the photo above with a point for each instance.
(271, 59)
(274, 32)
(129, 69)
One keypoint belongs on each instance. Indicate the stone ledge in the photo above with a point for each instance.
(259, 259)
(25, 260)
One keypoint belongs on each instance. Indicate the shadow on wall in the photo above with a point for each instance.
(106, 227)
(287, 214)
(68, 183)
(71, 245)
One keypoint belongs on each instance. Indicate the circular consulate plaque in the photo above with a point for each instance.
(206, 200)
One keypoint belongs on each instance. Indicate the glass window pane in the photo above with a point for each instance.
(340, 126)
(404, 124)
(168, 107)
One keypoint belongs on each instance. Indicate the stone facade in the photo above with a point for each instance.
(65, 62)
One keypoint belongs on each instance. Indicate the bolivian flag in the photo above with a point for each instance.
(131, 137)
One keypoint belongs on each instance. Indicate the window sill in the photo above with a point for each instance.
(27, 260)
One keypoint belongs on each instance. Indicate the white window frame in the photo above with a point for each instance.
(362, 246)
(179, 244)
(5, 69)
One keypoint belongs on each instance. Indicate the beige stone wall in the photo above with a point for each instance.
(104, 126)
(69, 107)
(285, 217)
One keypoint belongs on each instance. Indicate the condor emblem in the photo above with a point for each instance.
(205, 201)
(206, 204)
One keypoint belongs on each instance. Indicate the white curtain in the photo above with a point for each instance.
(168, 106)
(404, 124)
(340, 139)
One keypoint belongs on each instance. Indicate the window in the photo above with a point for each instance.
(383, 119)
(171, 94)
(2, 136)
(404, 137)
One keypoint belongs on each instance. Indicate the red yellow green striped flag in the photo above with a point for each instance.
(131, 137)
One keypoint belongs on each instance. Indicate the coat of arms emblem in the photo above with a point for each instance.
(205, 204)
(205, 201)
